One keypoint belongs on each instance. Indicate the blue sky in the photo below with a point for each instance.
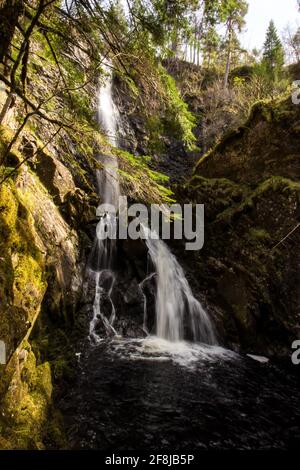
(260, 13)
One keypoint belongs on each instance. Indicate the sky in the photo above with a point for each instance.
(259, 15)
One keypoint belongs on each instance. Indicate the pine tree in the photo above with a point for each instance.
(273, 55)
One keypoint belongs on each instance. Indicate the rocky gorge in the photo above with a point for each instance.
(243, 285)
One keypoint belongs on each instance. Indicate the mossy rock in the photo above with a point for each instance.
(26, 404)
(267, 145)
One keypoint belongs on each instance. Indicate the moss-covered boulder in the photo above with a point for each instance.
(53, 174)
(267, 145)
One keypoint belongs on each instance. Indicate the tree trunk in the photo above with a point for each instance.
(228, 62)
(195, 42)
(198, 47)
(10, 11)
(8, 103)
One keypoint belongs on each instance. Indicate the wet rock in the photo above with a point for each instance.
(133, 294)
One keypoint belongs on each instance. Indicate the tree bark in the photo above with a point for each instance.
(228, 61)
(10, 10)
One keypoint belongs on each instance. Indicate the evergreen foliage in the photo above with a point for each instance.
(273, 55)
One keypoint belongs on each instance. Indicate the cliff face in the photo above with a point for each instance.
(48, 204)
(47, 199)
(157, 121)
(249, 271)
(249, 185)
(41, 270)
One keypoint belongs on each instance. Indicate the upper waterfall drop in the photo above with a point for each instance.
(107, 176)
(109, 119)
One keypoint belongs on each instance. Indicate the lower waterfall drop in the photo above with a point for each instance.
(177, 311)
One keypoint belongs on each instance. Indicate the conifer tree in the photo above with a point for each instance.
(273, 54)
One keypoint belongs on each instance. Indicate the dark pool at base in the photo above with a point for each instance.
(122, 404)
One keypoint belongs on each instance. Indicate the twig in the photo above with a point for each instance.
(34, 107)
(286, 237)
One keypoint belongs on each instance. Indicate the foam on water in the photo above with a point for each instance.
(183, 353)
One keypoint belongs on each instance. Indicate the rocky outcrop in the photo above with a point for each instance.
(248, 268)
(155, 119)
(34, 239)
(52, 173)
(267, 145)
(46, 204)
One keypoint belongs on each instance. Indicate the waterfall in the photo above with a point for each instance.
(177, 310)
(103, 252)
(108, 117)
(178, 314)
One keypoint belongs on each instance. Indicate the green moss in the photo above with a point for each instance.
(277, 183)
(259, 235)
(8, 209)
(271, 110)
(199, 181)
(178, 118)
(140, 181)
(18, 244)
(27, 417)
(26, 401)
(274, 184)
(218, 193)
(6, 135)
(263, 109)
(29, 285)
(44, 380)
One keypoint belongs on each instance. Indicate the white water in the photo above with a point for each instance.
(178, 314)
(155, 349)
(176, 308)
(103, 252)
(97, 314)
(109, 118)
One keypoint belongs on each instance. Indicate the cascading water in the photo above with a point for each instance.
(177, 310)
(103, 252)
(178, 314)
(109, 118)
